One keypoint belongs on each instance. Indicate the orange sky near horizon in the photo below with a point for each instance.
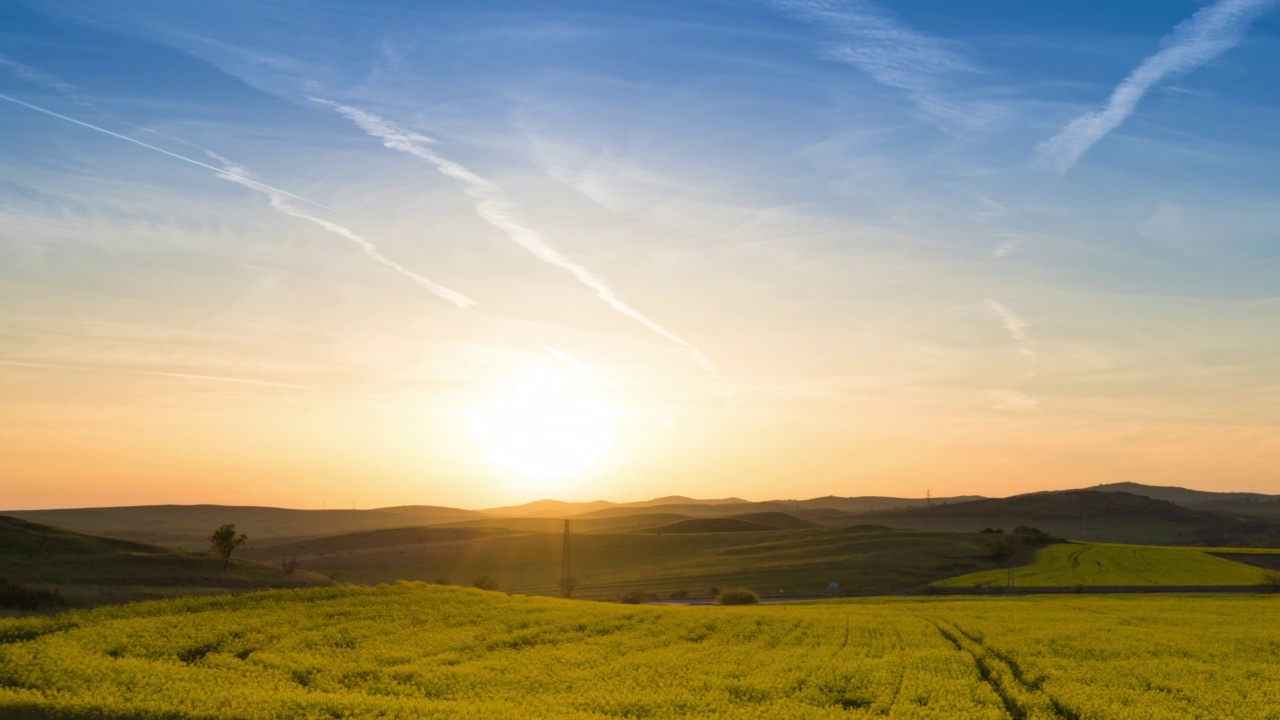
(472, 255)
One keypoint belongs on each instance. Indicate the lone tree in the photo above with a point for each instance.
(225, 541)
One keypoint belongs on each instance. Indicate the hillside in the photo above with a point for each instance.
(560, 508)
(1241, 504)
(724, 509)
(87, 570)
(1094, 564)
(619, 523)
(865, 559)
(1092, 516)
(189, 526)
(869, 503)
(711, 525)
(1183, 496)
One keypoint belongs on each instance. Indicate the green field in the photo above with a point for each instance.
(1098, 564)
(606, 564)
(419, 651)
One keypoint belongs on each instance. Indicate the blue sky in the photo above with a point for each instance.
(802, 247)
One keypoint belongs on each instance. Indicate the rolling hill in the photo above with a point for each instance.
(1090, 515)
(710, 525)
(1097, 564)
(189, 526)
(1243, 504)
(87, 570)
(864, 559)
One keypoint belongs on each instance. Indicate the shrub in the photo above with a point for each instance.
(634, 597)
(737, 596)
(289, 565)
(20, 597)
(484, 582)
(999, 552)
(1035, 536)
(678, 595)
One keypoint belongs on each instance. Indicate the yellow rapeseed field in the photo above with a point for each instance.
(421, 651)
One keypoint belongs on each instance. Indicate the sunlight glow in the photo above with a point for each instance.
(545, 427)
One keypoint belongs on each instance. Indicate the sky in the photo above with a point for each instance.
(322, 254)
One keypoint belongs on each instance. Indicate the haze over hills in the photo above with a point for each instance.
(1183, 496)
(189, 526)
(88, 570)
(560, 508)
(1179, 516)
(1091, 515)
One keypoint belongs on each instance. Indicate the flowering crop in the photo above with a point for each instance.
(419, 651)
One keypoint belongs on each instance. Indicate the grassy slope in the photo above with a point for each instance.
(415, 651)
(606, 564)
(1071, 564)
(189, 526)
(1088, 515)
(88, 570)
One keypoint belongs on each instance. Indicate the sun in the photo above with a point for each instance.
(545, 427)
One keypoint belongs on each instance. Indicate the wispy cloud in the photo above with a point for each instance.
(1017, 328)
(36, 77)
(1210, 32)
(237, 174)
(1005, 249)
(155, 373)
(153, 148)
(1012, 401)
(229, 171)
(889, 51)
(495, 208)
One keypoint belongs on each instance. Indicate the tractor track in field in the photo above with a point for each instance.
(1010, 683)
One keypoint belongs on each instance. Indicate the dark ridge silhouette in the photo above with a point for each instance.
(88, 570)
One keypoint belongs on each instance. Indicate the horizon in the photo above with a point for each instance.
(650, 500)
(256, 253)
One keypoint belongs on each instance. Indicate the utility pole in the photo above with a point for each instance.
(928, 497)
(567, 583)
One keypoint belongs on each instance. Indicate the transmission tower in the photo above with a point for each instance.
(567, 582)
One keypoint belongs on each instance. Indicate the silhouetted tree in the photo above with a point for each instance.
(225, 541)
(485, 582)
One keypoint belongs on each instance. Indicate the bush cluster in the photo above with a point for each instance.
(737, 596)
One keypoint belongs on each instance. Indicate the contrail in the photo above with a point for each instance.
(238, 174)
(496, 209)
(1016, 327)
(188, 376)
(1212, 31)
(148, 146)
(234, 173)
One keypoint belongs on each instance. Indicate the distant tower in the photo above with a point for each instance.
(928, 497)
(567, 582)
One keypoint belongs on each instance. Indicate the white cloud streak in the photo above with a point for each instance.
(1016, 327)
(36, 77)
(155, 373)
(890, 52)
(160, 150)
(1207, 34)
(495, 208)
(236, 174)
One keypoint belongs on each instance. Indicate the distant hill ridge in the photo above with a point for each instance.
(188, 526)
(89, 570)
